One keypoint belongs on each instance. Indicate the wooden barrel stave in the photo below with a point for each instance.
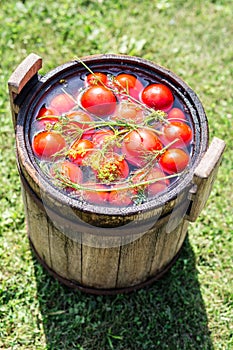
(120, 266)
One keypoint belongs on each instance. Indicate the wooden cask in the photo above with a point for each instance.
(107, 250)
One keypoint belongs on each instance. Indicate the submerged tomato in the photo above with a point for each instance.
(81, 118)
(102, 138)
(112, 168)
(176, 114)
(97, 78)
(45, 123)
(129, 84)
(44, 111)
(154, 181)
(127, 110)
(80, 150)
(62, 103)
(177, 130)
(98, 100)
(158, 96)
(78, 120)
(46, 118)
(139, 145)
(68, 170)
(95, 194)
(174, 160)
(121, 198)
(46, 144)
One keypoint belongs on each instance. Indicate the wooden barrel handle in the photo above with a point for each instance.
(204, 177)
(20, 77)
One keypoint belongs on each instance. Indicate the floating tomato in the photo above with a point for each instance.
(139, 145)
(46, 123)
(46, 118)
(128, 84)
(158, 96)
(177, 130)
(97, 78)
(98, 100)
(44, 111)
(68, 171)
(174, 160)
(112, 167)
(80, 150)
(46, 144)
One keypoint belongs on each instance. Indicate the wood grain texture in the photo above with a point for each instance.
(65, 254)
(37, 227)
(204, 177)
(183, 234)
(24, 72)
(165, 248)
(117, 264)
(135, 260)
(99, 266)
(19, 78)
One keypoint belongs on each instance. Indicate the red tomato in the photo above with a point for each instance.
(71, 128)
(97, 78)
(46, 122)
(45, 118)
(139, 144)
(129, 111)
(98, 100)
(62, 103)
(176, 114)
(177, 130)
(78, 120)
(128, 83)
(121, 198)
(174, 160)
(92, 195)
(87, 134)
(44, 111)
(80, 150)
(80, 117)
(158, 182)
(69, 170)
(157, 186)
(46, 144)
(102, 137)
(157, 96)
(112, 168)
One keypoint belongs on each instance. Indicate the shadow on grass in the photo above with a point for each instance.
(170, 314)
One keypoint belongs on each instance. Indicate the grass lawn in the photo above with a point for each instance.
(192, 306)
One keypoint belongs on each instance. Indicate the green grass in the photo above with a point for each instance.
(192, 306)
